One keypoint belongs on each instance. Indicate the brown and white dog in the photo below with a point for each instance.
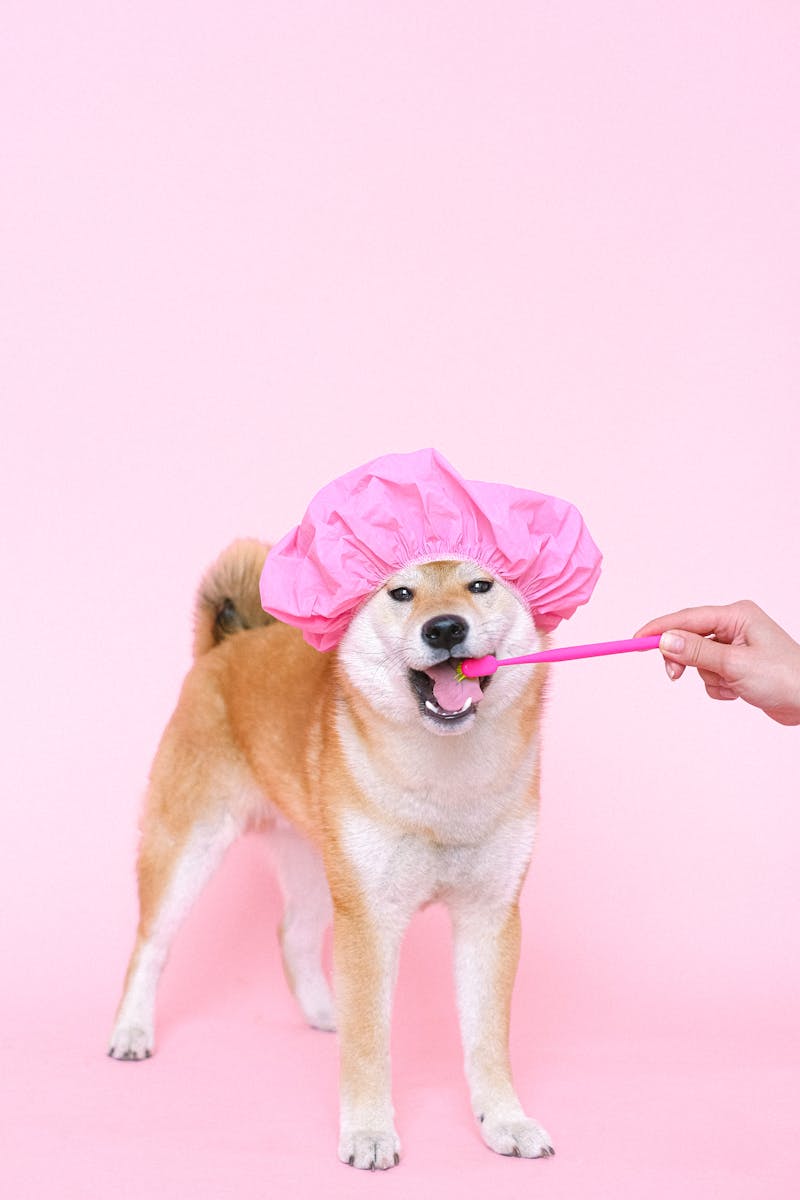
(384, 785)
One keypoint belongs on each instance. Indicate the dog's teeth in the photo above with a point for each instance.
(442, 712)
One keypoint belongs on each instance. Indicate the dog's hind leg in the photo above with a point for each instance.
(173, 868)
(307, 914)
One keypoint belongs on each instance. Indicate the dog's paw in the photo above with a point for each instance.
(316, 1001)
(131, 1043)
(322, 1019)
(320, 1013)
(521, 1138)
(370, 1149)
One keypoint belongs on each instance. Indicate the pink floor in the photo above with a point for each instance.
(247, 246)
(240, 1098)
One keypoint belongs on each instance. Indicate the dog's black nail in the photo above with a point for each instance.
(396, 1159)
(351, 1160)
(481, 1118)
(515, 1152)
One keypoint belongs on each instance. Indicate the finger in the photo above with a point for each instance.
(693, 651)
(712, 679)
(716, 686)
(674, 670)
(707, 619)
(721, 693)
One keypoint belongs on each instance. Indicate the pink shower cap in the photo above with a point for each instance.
(411, 508)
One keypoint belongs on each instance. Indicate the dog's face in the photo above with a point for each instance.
(403, 644)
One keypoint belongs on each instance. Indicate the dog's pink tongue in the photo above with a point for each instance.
(450, 692)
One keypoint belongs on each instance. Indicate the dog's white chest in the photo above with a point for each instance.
(446, 819)
(403, 871)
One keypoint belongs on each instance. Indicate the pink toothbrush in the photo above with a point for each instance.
(471, 668)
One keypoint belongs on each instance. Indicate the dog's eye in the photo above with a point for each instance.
(401, 594)
(480, 585)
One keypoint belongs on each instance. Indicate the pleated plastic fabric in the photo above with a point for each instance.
(401, 509)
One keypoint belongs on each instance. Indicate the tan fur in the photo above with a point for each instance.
(257, 738)
(235, 576)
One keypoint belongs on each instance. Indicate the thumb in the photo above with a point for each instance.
(692, 651)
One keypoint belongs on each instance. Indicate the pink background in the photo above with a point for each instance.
(248, 246)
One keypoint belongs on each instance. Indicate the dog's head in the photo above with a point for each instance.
(401, 649)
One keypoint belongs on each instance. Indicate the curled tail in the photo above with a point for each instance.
(228, 598)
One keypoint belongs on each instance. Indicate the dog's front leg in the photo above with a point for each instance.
(365, 950)
(486, 954)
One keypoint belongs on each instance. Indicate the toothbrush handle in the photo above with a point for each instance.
(595, 650)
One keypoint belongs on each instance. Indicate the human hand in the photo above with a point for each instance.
(738, 651)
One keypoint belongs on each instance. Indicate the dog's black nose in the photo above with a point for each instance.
(444, 632)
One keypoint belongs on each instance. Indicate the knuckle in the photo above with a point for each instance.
(695, 651)
(748, 608)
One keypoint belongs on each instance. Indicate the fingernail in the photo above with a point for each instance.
(673, 670)
(672, 642)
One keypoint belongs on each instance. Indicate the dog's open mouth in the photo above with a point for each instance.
(444, 695)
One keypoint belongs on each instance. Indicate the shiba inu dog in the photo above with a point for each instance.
(385, 783)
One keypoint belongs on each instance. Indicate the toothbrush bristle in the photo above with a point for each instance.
(460, 676)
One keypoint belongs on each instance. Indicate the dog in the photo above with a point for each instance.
(384, 783)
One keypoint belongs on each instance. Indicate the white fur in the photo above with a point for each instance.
(448, 821)
(448, 818)
(133, 1034)
(307, 914)
(384, 640)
